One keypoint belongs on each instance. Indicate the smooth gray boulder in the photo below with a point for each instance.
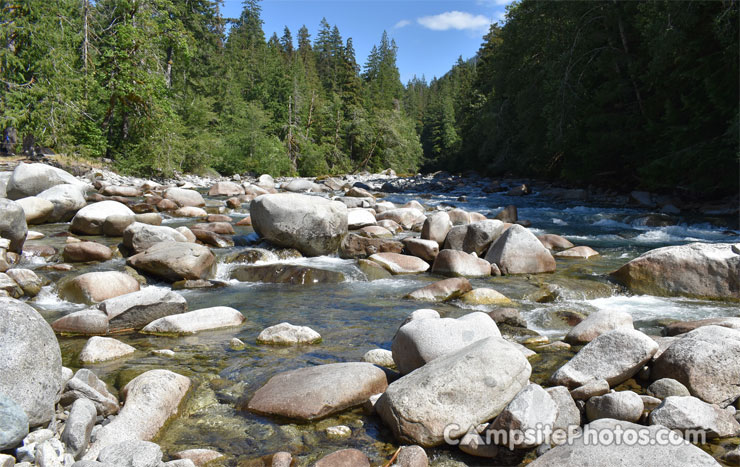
(13, 423)
(662, 447)
(315, 392)
(313, 225)
(622, 405)
(132, 453)
(424, 249)
(480, 235)
(174, 261)
(30, 360)
(100, 349)
(436, 227)
(151, 399)
(688, 413)
(530, 410)
(36, 210)
(666, 387)
(95, 287)
(568, 414)
(184, 197)
(32, 179)
(67, 199)
(614, 356)
(405, 217)
(13, 224)
(26, 280)
(517, 251)
(79, 425)
(465, 388)
(455, 238)
(598, 323)
(421, 341)
(90, 219)
(458, 263)
(288, 334)
(706, 361)
(702, 270)
(400, 264)
(137, 237)
(86, 385)
(205, 319)
(88, 322)
(136, 310)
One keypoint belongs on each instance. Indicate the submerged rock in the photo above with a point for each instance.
(288, 334)
(443, 290)
(174, 261)
(286, 274)
(98, 349)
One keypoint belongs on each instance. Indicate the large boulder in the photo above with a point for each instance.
(358, 218)
(661, 446)
(531, 409)
(195, 321)
(32, 179)
(459, 263)
(315, 392)
(37, 210)
(90, 219)
(137, 237)
(706, 361)
(136, 310)
(422, 340)
(151, 399)
(13, 424)
(702, 270)
(86, 251)
(311, 224)
(184, 197)
(517, 251)
(405, 217)
(30, 360)
(480, 235)
(288, 334)
(13, 224)
(688, 413)
(614, 356)
(86, 385)
(174, 261)
(436, 227)
(100, 349)
(440, 291)
(355, 246)
(455, 392)
(424, 249)
(94, 287)
(400, 264)
(226, 189)
(622, 405)
(598, 323)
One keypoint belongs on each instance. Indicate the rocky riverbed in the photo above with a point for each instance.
(250, 321)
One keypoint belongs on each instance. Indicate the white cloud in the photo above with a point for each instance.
(402, 24)
(455, 20)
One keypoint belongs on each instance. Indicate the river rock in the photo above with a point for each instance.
(120, 190)
(190, 211)
(662, 447)
(682, 327)
(27, 280)
(86, 385)
(614, 356)
(82, 252)
(9, 287)
(113, 226)
(687, 413)
(137, 237)
(32, 179)
(288, 334)
(132, 453)
(13, 225)
(94, 287)
(598, 323)
(622, 405)
(355, 246)
(706, 361)
(480, 235)
(137, 309)
(286, 274)
(391, 226)
(195, 321)
(174, 261)
(151, 399)
(554, 242)
(358, 218)
(592, 388)
(87, 322)
(37, 210)
(79, 425)
(315, 392)
(568, 414)
(198, 456)
(226, 189)
(344, 458)
(405, 217)
(184, 197)
(578, 252)
(89, 220)
(486, 296)
(13, 423)
(99, 349)
(436, 227)
(400, 264)
(222, 228)
(381, 357)
(517, 251)
(421, 341)
(531, 409)
(375, 231)
(443, 290)
(67, 199)
(459, 263)
(30, 360)
(301, 186)
(424, 249)
(666, 387)
(313, 225)
(459, 217)
(703, 270)
(466, 387)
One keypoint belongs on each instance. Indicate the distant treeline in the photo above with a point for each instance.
(606, 92)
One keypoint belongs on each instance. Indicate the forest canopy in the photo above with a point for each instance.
(621, 93)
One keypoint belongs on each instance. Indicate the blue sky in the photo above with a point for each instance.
(430, 35)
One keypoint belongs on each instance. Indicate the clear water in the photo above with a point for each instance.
(356, 316)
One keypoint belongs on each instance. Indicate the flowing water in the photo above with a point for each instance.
(356, 316)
